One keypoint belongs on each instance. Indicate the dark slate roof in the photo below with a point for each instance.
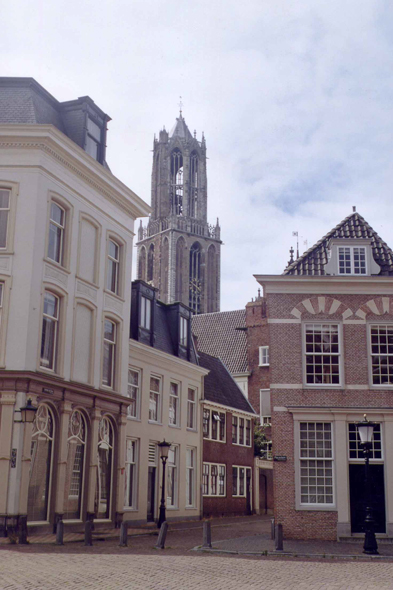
(219, 385)
(354, 226)
(218, 335)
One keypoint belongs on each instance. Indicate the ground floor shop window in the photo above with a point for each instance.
(105, 469)
(73, 490)
(41, 465)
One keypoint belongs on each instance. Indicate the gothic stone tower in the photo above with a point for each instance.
(178, 251)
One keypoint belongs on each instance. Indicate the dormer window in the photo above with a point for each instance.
(93, 139)
(145, 313)
(352, 260)
(183, 331)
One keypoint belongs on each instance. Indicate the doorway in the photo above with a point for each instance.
(151, 494)
(358, 497)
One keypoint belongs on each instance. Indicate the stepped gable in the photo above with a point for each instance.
(313, 261)
(219, 386)
(219, 335)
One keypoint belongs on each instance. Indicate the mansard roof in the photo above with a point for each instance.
(313, 261)
(218, 334)
(180, 129)
(219, 386)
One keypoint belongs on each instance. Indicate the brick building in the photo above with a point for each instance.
(228, 447)
(330, 317)
(179, 251)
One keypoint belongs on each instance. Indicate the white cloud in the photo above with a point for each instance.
(295, 99)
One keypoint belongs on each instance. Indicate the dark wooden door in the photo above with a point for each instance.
(358, 499)
(151, 494)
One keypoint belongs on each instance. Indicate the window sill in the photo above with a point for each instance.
(189, 429)
(172, 508)
(190, 508)
(154, 422)
(211, 496)
(241, 445)
(323, 386)
(317, 507)
(128, 509)
(57, 265)
(223, 442)
(79, 278)
(265, 365)
(239, 497)
(134, 418)
(177, 426)
(115, 295)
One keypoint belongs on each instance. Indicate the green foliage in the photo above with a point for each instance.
(259, 439)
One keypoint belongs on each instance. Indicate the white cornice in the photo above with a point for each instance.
(208, 404)
(165, 357)
(375, 285)
(58, 146)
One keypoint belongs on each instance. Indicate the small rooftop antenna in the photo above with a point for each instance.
(180, 106)
(291, 251)
(296, 233)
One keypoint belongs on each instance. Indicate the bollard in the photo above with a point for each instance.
(123, 534)
(272, 529)
(59, 532)
(162, 536)
(279, 538)
(207, 534)
(88, 533)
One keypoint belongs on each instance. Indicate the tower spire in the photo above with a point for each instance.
(181, 107)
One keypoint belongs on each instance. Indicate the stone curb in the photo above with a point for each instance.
(293, 554)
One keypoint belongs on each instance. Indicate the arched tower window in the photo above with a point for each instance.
(195, 283)
(177, 182)
(150, 263)
(142, 264)
(180, 270)
(211, 304)
(164, 269)
(194, 185)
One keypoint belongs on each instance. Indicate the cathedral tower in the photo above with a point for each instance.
(178, 251)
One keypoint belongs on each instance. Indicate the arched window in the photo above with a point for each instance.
(195, 282)
(164, 270)
(73, 491)
(41, 465)
(194, 185)
(211, 304)
(180, 271)
(150, 263)
(177, 182)
(142, 264)
(103, 498)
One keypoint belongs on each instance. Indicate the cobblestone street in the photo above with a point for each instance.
(166, 572)
(141, 566)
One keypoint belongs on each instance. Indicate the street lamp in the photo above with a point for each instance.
(366, 430)
(27, 413)
(164, 451)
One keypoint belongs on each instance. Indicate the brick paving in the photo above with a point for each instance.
(141, 566)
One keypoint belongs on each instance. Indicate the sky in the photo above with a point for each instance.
(295, 99)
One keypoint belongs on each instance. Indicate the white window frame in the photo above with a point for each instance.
(113, 268)
(158, 399)
(264, 360)
(264, 420)
(137, 389)
(183, 331)
(62, 228)
(219, 475)
(106, 342)
(52, 365)
(192, 408)
(145, 321)
(172, 469)
(191, 476)
(340, 355)
(298, 467)
(245, 470)
(90, 135)
(215, 415)
(371, 355)
(245, 419)
(131, 464)
(352, 260)
(8, 210)
(174, 404)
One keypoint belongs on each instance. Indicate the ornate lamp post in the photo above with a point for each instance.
(366, 430)
(164, 451)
